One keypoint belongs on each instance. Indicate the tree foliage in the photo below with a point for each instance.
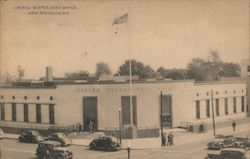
(175, 74)
(211, 68)
(137, 68)
(77, 75)
(230, 70)
(102, 69)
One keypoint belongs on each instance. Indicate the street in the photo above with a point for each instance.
(13, 149)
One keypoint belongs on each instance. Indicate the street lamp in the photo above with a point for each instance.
(120, 126)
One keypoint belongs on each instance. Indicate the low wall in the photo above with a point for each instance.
(209, 126)
(129, 133)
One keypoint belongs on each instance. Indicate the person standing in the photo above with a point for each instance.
(234, 125)
(169, 140)
(163, 140)
(172, 139)
(90, 127)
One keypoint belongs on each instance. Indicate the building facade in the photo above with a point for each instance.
(182, 101)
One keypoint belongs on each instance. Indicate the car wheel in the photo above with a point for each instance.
(110, 148)
(221, 146)
(21, 139)
(91, 146)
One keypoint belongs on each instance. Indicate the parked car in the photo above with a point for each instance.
(109, 143)
(52, 150)
(31, 136)
(60, 137)
(229, 153)
(247, 145)
(220, 141)
(240, 141)
(1, 134)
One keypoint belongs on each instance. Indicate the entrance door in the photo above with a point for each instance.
(90, 113)
(167, 111)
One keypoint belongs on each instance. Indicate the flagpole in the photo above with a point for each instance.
(130, 77)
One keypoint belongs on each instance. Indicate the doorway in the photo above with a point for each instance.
(90, 113)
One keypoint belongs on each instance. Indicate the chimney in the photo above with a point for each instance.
(49, 74)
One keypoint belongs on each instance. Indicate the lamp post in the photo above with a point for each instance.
(120, 126)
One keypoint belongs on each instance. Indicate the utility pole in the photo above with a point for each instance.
(212, 100)
(161, 121)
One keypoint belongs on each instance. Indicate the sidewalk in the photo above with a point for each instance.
(181, 137)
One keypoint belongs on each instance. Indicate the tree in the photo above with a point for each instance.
(137, 68)
(196, 69)
(175, 74)
(211, 68)
(102, 69)
(230, 70)
(20, 72)
(78, 75)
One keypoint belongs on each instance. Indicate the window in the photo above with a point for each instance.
(197, 94)
(225, 92)
(25, 97)
(197, 109)
(38, 113)
(2, 97)
(242, 104)
(207, 93)
(226, 105)
(234, 105)
(51, 98)
(13, 105)
(37, 97)
(217, 107)
(208, 108)
(26, 112)
(51, 114)
(125, 100)
(13, 97)
(2, 111)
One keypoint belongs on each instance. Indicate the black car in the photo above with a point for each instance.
(229, 153)
(60, 137)
(31, 137)
(109, 143)
(52, 150)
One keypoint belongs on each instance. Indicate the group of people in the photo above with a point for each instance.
(170, 141)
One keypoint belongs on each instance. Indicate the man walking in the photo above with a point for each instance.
(234, 125)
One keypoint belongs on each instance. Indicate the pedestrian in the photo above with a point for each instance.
(172, 139)
(80, 127)
(234, 125)
(90, 127)
(163, 140)
(169, 140)
(93, 127)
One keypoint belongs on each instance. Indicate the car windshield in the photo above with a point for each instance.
(61, 135)
(36, 133)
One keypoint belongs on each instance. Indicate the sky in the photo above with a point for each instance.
(158, 33)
